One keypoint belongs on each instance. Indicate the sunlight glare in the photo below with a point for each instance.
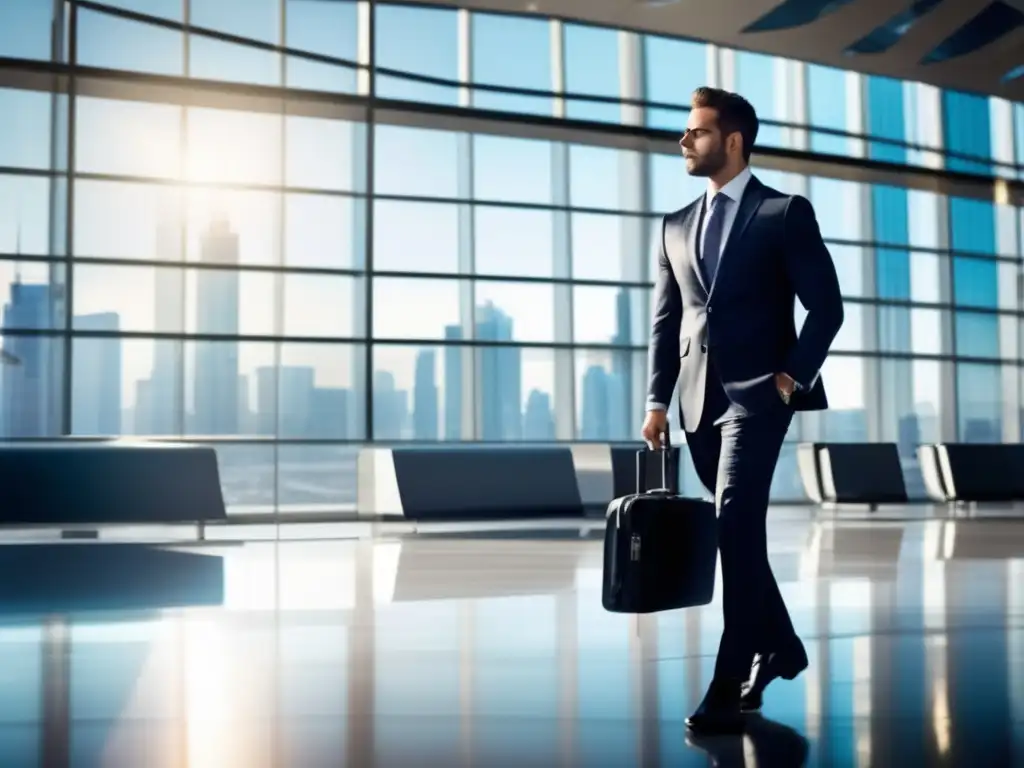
(206, 699)
(386, 555)
(227, 147)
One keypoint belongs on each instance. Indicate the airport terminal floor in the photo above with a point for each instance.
(485, 644)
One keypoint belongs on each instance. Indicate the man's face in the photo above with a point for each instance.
(702, 144)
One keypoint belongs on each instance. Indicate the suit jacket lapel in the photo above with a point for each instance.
(691, 244)
(749, 203)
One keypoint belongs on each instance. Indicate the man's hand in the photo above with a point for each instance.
(655, 428)
(785, 384)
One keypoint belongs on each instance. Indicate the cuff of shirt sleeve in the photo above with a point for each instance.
(656, 407)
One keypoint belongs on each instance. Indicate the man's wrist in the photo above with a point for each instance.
(786, 383)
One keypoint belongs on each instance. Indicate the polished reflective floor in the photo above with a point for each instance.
(487, 646)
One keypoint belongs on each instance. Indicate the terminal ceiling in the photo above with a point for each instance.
(966, 45)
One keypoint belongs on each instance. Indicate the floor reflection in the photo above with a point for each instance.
(493, 650)
(764, 743)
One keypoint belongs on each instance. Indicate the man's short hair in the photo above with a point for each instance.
(734, 114)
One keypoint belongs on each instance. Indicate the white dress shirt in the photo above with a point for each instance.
(734, 191)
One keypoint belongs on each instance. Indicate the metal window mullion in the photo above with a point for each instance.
(279, 277)
(69, 275)
(178, 391)
(782, 93)
(58, 319)
(726, 74)
(186, 37)
(928, 114)
(856, 114)
(872, 366)
(798, 105)
(950, 394)
(949, 385)
(556, 31)
(713, 63)
(635, 258)
(471, 402)
(279, 293)
(564, 395)
(1019, 223)
(54, 706)
(369, 81)
(1001, 128)
(1007, 275)
(564, 360)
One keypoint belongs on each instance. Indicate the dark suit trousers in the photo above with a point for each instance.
(736, 460)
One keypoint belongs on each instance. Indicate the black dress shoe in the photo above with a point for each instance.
(719, 712)
(785, 664)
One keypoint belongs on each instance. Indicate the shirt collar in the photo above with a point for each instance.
(734, 189)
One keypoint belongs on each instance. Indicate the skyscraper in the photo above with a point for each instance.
(622, 368)
(96, 378)
(159, 402)
(390, 407)
(499, 373)
(424, 396)
(330, 412)
(453, 384)
(295, 400)
(596, 404)
(538, 420)
(266, 401)
(216, 362)
(29, 406)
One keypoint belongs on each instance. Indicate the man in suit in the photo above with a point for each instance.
(730, 267)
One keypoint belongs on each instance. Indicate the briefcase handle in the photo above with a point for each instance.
(666, 453)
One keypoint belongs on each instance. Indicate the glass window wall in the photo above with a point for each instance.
(292, 280)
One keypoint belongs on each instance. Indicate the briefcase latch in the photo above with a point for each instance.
(634, 547)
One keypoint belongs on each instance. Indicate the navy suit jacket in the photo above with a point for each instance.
(744, 320)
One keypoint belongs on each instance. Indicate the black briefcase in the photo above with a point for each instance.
(660, 548)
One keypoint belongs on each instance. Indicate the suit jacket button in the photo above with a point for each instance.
(709, 310)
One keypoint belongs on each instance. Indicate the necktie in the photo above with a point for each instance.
(711, 249)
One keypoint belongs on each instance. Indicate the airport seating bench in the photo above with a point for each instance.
(109, 482)
(973, 472)
(852, 473)
(467, 482)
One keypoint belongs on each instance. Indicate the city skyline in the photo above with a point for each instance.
(104, 289)
(600, 385)
(232, 413)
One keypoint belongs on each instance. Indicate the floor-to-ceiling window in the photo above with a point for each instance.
(985, 275)
(311, 246)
